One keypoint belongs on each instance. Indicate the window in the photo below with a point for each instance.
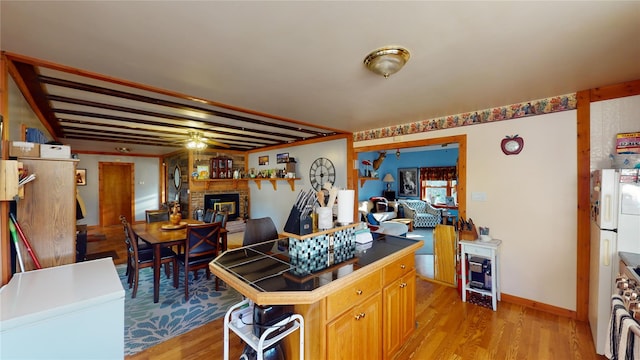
(436, 191)
(438, 183)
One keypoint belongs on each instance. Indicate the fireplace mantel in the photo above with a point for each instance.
(234, 182)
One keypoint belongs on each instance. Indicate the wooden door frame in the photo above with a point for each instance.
(583, 153)
(100, 187)
(461, 140)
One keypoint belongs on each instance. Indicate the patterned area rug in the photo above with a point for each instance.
(148, 324)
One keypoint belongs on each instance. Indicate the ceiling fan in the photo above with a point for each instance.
(197, 141)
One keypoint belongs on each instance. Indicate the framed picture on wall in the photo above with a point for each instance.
(282, 158)
(81, 177)
(408, 182)
(263, 160)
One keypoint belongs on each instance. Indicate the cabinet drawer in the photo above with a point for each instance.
(398, 268)
(352, 294)
(476, 250)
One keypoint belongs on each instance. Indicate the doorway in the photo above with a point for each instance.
(116, 192)
(427, 258)
(461, 140)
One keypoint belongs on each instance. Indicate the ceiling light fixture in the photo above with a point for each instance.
(195, 143)
(387, 61)
(123, 149)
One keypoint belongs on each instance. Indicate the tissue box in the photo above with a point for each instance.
(55, 151)
(24, 149)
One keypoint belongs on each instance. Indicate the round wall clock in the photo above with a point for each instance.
(512, 145)
(322, 171)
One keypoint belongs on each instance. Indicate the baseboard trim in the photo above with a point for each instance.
(527, 303)
(539, 306)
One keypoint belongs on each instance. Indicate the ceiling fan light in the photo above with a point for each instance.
(387, 61)
(196, 144)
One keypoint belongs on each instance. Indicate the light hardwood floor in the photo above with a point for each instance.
(446, 328)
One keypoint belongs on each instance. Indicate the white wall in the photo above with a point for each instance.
(609, 118)
(277, 203)
(530, 201)
(20, 114)
(146, 179)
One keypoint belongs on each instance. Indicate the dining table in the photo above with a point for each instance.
(164, 234)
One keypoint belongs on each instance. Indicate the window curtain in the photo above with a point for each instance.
(438, 173)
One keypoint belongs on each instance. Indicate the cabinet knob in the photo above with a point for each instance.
(358, 292)
(403, 266)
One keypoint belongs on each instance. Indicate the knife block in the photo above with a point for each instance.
(468, 234)
(298, 225)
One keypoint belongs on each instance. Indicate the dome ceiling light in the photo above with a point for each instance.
(387, 61)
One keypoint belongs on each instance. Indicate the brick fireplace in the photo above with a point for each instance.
(229, 202)
(221, 199)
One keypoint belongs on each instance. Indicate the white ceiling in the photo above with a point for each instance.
(302, 60)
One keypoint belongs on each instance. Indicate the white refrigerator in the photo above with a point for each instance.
(615, 226)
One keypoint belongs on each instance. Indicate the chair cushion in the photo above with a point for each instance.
(372, 220)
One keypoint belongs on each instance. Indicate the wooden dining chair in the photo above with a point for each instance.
(201, 246)
(208, 216)
(221, 217)
(259, 230)
(143, 259)
(142, 246)
(156, 215)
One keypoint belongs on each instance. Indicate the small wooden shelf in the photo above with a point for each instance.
(364, 179)
(274, 182)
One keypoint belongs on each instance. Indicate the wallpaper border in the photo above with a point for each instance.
(507, 112)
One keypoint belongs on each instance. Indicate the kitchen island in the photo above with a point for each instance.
(360, 306)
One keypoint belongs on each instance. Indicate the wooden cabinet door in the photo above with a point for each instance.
(399, 300)
(408, 303)
(47, 214)
(356, 334)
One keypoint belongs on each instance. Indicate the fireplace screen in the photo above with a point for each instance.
(223, 202)
(228, 207)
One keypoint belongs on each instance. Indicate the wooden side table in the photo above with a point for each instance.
(486, 250)
(406, 221)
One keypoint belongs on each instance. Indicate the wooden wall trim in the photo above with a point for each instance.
(538, 306)
(305, 142)
(462, 162)
(584, 100)
(629, 88)
(5, 237)
(583, 218)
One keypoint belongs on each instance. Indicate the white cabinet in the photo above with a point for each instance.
(485, 250)
(73, 311)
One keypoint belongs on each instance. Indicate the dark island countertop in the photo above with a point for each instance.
(268, 275)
